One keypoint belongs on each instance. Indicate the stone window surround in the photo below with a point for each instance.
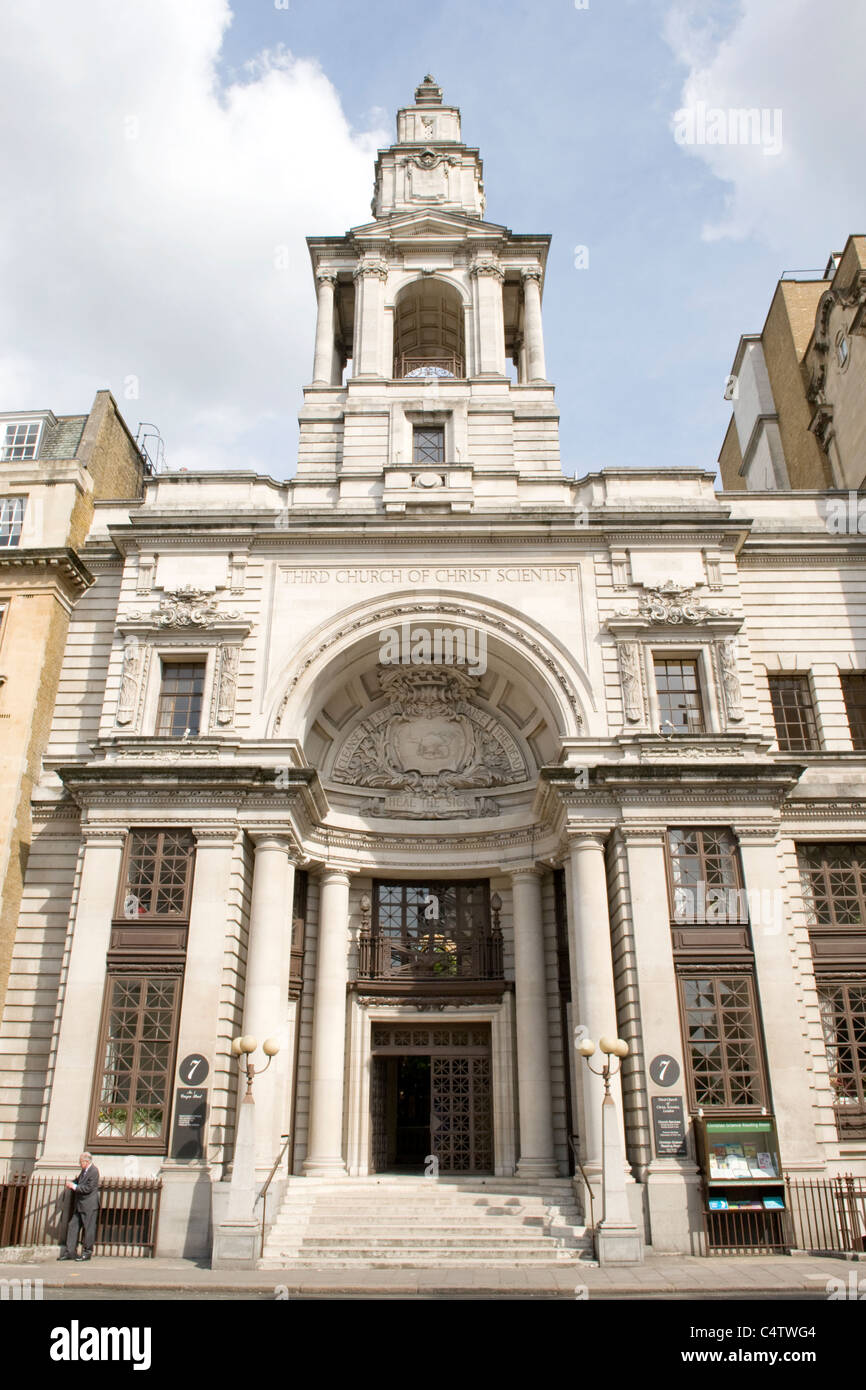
(700, 653)
(173, 653)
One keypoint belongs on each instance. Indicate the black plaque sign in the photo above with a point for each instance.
(190, 1112)
(669, 1127)
(664, 1070)
(193, 1069)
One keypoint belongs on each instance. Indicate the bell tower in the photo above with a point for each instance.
(429, 377)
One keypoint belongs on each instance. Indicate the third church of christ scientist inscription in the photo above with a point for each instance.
(429, 748)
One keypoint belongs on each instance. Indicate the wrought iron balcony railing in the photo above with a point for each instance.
(436, 364)
(434, 956)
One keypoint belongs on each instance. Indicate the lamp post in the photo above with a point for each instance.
(236, 1239)
(617, 1240)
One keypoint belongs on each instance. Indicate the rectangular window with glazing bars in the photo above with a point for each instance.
(704, 877)
(843, 1016)
(854, 691)
(156, 878)
(793, 713)
(722, 1041)
(428, 444)
(180, 698)
(433, 931)
(132, 1099)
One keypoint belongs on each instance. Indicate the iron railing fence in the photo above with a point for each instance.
(826, 1216)
(35, 1210)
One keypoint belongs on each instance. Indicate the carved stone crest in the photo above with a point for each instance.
(184, 607)
(428, 747)
(672, 603)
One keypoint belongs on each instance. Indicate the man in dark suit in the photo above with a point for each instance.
(85, 1209)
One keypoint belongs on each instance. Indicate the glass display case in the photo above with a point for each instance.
(744, 1184)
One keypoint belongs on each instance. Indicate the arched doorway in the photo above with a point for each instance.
(428, 331)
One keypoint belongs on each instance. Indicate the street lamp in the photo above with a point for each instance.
(616, 1237)
(243, 1048)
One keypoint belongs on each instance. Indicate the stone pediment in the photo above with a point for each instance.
(430, 748)
(420, 224)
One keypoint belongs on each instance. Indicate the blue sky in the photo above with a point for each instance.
(150, 244)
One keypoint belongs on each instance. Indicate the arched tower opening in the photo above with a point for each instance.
(429, 338)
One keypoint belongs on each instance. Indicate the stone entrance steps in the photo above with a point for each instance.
(399, 1222)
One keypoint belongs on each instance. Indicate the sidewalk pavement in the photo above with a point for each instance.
(671, 1276)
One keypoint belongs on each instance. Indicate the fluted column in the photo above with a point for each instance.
(267, 980)
(591, 962)
(489, 319)
(323, 362)
(370, 279)
(325, 1145)
(532, 325)
(82, 1004)
(533, 1033)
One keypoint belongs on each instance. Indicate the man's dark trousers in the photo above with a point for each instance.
(85, 1210)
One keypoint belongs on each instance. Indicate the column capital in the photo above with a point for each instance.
(331, 874)
(487, 267)
(326, 277)
(214, 836)
(525, 870)
(594, 837)
(104, 835)
(757, 834)
(270, 839)
(533, 272)
(377, 267)
(644, 834)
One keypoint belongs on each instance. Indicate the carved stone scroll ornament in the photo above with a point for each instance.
(632, 684)
(184, 607)
(731, 680)
(428, 747)
(672, 603)
(129, 684)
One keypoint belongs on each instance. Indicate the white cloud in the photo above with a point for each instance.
(804, 60)
(147, 211)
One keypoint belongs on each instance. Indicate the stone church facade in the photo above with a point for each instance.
(431, 761)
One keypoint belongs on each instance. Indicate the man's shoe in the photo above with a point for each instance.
(80, 1258)
(65, 1255)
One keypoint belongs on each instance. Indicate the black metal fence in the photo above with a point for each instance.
(825, 1216)
(35, 1210)
(828, 1215)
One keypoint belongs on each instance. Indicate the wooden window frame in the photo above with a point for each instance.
(850, 1118)
(166, 663)
(660, 657)
(854, 682)
(727, 1108)
(801, 680)
(733, 858)
(180, 918)
(126, 1143)
(825, 869)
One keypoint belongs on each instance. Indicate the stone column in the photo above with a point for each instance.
(266, 991)
(325, 1146)
(370, 279)
(323, 361)
(532, 325)
(592, 991)
(533, 1033)
(489, 319)
(789, 1066)
(82, 1003)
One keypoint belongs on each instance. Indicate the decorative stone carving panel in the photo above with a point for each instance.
(430, 748)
